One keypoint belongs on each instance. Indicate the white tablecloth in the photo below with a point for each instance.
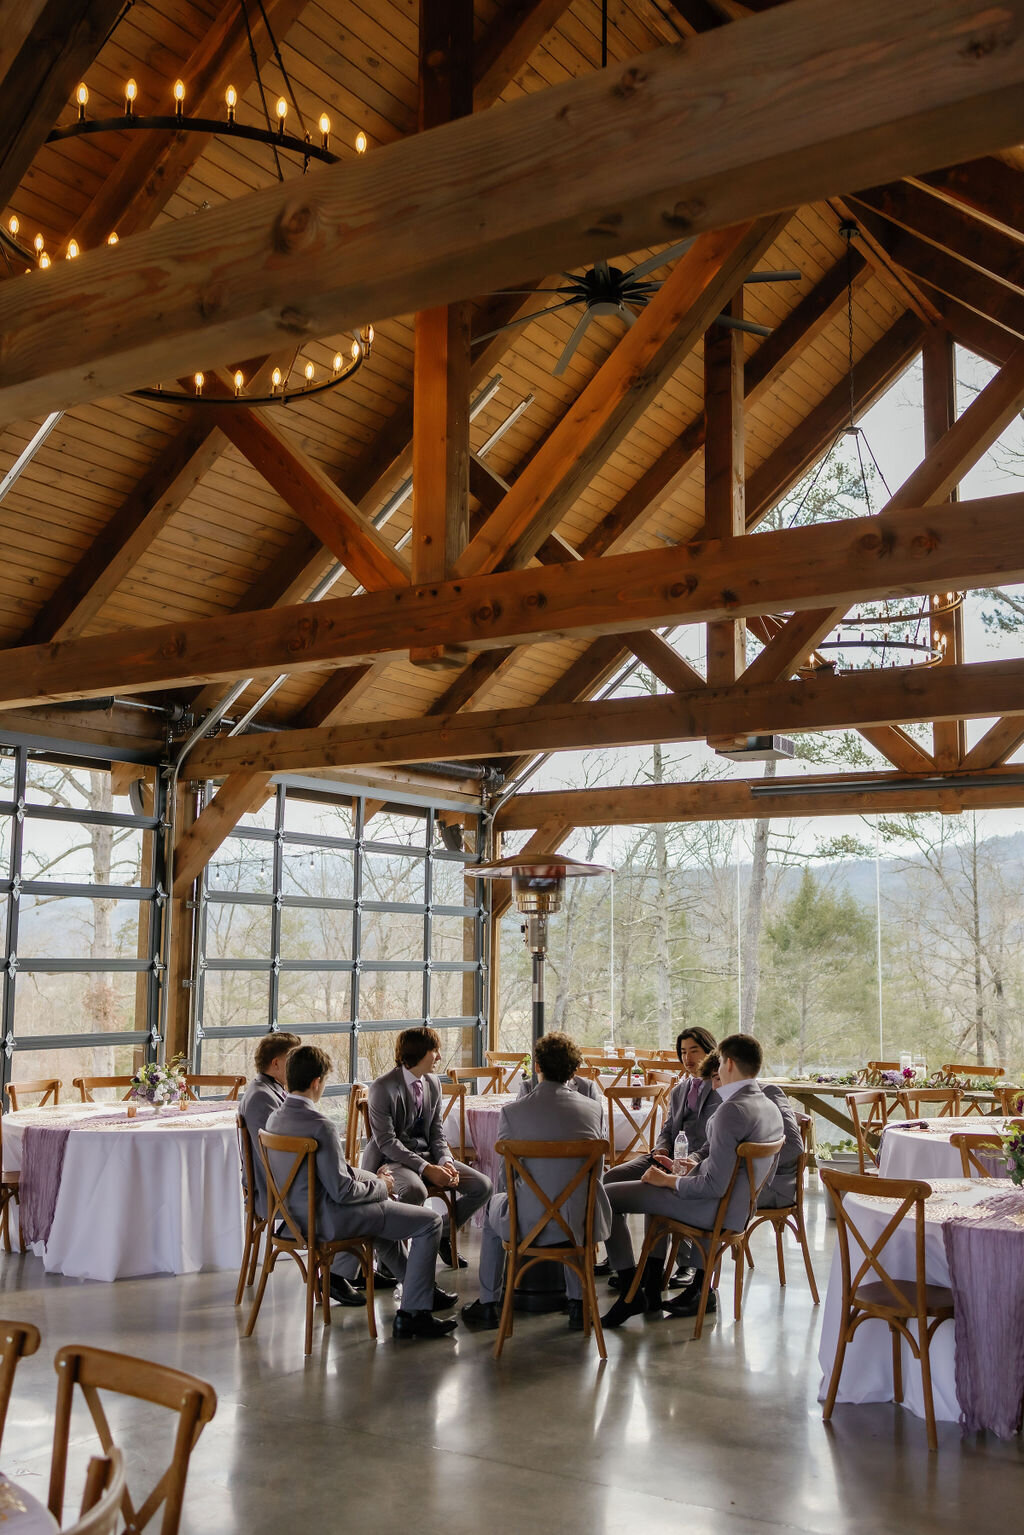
(161, 1197)
(32, 1518)
(927, 1153)
(867, 1369)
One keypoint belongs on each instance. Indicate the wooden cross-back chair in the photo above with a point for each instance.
(616, 1066)
(869, 1110)
(255, 1224)
(101, 1501)
(948, 1098)
(49, 1087)
(871, 1073)
(1011, 1100)
(524, 1252)
(283, 1235)
(232, 1085)
(17, 1341)
(790, 1217)
(641, 1121)
(979, 1106)
(10, 1189)
(86, 1085)
(453, 1100)
(987, 1073)
(509, 1063)
(656, 1076)
(95, 1370)
(973, 1145)
(358, 1122)
(871, 1294)
(714, 1244)
(487, 1079)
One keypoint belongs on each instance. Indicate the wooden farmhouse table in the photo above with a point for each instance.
(829, 1100)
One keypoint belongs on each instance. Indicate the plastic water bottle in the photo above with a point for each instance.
(680, 1150)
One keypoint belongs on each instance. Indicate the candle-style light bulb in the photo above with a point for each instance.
(338, 360)
(356, 350)
(282, 113)
(325, 128)
(44, 260)
(131, 90)
(367, 338)
(82, 97)
(72, 250)
(275, 378)
(12, 224)
(308, 370)
(179, 96)
(38, 242)
(199, 382)
(112, 237)
(231, 98)
(239, 381)
(361, 142)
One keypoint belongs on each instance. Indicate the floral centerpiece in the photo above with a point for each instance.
(831, 1078)
(160, 1084)
(902, 1078)
(1013, 1147)
(527, 1067)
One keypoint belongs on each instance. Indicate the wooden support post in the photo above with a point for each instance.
(724, 514)
(178, 912)
(949, 738)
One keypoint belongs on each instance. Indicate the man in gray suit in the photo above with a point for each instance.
(351, 1203)
(693, 1196)
(553, 1111)
(780, 1190)
(264, 1094)
(407, 1133)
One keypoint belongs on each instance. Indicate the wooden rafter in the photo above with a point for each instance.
(998, 743)
(515, 34)
(954, 230)
(949, 737)
(987, 186)
(910, 107)
(724, 478)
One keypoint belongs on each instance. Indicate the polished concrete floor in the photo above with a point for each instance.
(723, 1435)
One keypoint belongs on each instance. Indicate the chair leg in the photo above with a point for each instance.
(7, 1224)
(837, 1369)
(245, 1264)
(670, 1266)
(325, 1289)
(371, 1314)
(508, 1304)
(453, 1234)
(21, 1230)
(261, 1231)
(650, 1237)
(704, 1292)
(924, 1346)
(268, 1264)
(779, 1252)
(591, 1310)
(746, 1250)
(897, 1365)
(312, 1271)
(805, 1249)
(738, 1278)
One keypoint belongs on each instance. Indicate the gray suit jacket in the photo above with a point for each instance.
(581, 1085)
(780, 1190)
(551, 1112)
(693, 1121)
(349, 1202)
(395, 1137)
(261, 1097)
(746, 1115)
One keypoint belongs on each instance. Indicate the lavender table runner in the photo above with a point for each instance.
(985, 1254)
(44, 1147)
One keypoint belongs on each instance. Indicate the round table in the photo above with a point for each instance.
(927, 1153)
(21, 1513)
(158, 1193)
(867, 1370)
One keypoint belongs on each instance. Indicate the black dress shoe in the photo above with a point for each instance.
(383, 1279)
(614, 1282)
(687, 1305)
(443, 1300)
(421, 1324)
(482, 1314)
(575, 1316)
(622, 1310)
(604, 1267)
(344, 1294)
(682, 1278)
(444, 1252)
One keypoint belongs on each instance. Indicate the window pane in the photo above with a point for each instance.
(76, 788)
(237, 931)
(323, 873)
(76, 854)
(76, 927)
(227, 1057)
(6, 775)
(387, 994)
(311, 933)
(391, 826)
(265, 816)
(318, 820)
(393, 877)
(5, 846)
(391, 935)
(3, 924)
(72, 1061)
(53, 1003)
(314, 996)
(336, 1046)
(236, 999)
(449, 885)
(451, 937)
(376, 1050)
(453, 994)
(242, 864)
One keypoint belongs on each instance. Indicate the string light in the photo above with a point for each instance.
(308, 370)
(38, 242)
(131, 90)
(72, 250)
(338, 360)
(82, 97)
(44, 260)
(355, 349)
(361, 142)
(231, 100)
(112, 237)
(239, 381)
(282, 113)
(179, 96)
(325, 128)
(199, 382)
(275, 379)
(12, 224)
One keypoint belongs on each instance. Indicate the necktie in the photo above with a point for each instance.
(693, 1096)
(417, 1096)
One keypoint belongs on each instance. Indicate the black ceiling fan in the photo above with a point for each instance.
(605, 290)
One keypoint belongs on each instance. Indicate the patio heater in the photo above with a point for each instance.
(538, 884)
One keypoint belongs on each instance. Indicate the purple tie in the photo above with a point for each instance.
(417, 1096)
(693, 1096)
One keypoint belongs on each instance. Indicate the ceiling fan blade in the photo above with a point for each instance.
(654, 262)
(601, 270)
(567, 288)
(572, 343)
(750, 326)
(627, 315)
(524, 319)
(788, 274)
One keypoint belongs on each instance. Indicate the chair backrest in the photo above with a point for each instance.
(17, 1341)
(453, 1096)
(616, 1066)
(487, 1079)
(1011, 1099)
(85, 1085)
(519, 1176)
(748, 1154)
(867, 1252)
(872, 1072)
(913, 1097)
(587, 1072)
(248, 1168)
(358, 1122)
(509, 1063)
(640, 1107)
(49, 1087)
(869, 1110)
(95, 1370)
(970, 1145)
(660, 1076)
(232, 1085)
(103, 1496)
(985, 1072)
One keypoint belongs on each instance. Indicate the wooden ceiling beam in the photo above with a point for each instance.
(979, 335)
(889, 271)
(999, 742)
(583, 171)
(897, 696)
(47, 49)
(987, 186)
(914, 550)
(514, 36)
(951, 229)
(949, 738)
(954, 279)
(899, 747)
(663, 661)
(733, 800)
(724, 479)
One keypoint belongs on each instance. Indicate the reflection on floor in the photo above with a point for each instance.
(724, 1435)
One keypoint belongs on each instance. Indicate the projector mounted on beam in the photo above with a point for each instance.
(759, 749)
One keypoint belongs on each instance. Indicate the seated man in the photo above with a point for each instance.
(780, 1190)
(265, 1093)
(407, 1133)
(744, 1114)
(351, 1203)
(553, 1111)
